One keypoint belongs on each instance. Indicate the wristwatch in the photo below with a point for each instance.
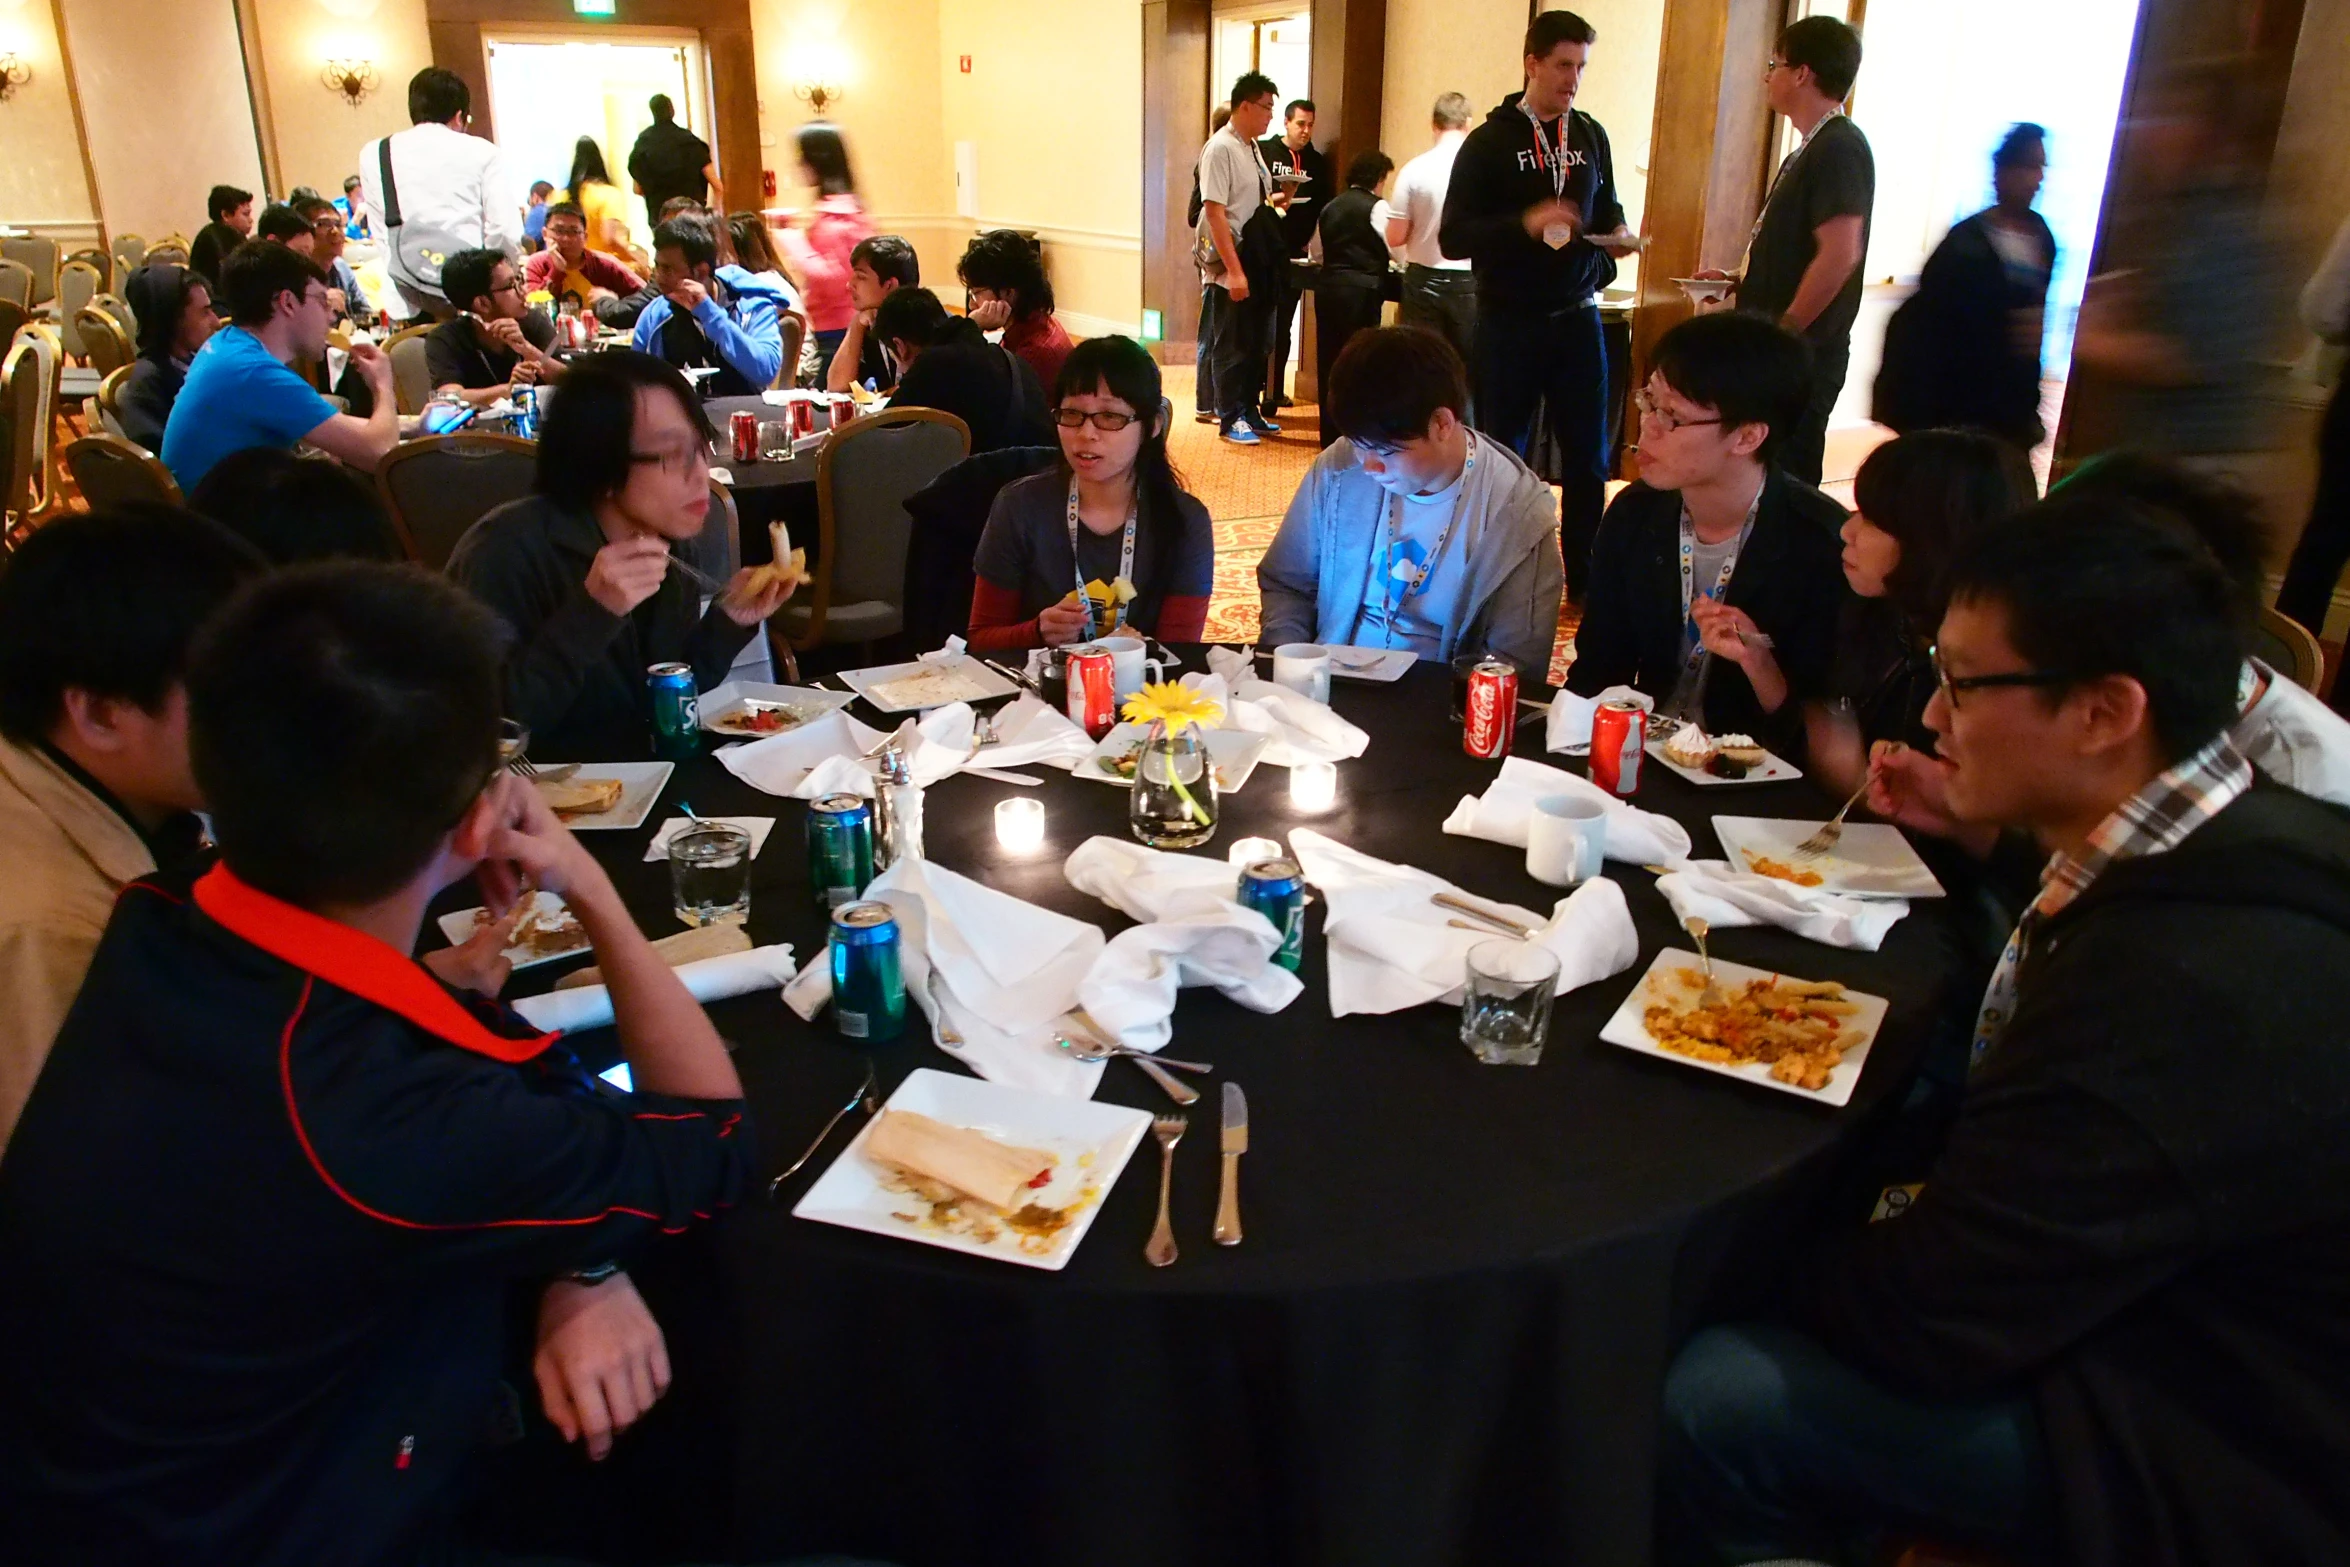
(593, 1275)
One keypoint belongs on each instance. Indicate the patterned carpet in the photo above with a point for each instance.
(1246, 490)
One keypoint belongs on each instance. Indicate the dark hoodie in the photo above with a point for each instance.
(158, 296)
(1496, 176)
(2143, 1212)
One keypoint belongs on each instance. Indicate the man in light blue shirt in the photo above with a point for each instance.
(241, 392)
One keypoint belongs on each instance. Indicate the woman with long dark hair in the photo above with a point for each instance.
(1114, 509)
(1915, 501)
(754, 243)
(816, 252)
(605, 204)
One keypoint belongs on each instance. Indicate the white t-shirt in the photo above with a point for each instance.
(1418, 543)
(1419, 197)
(2296, 740)
(454, 196)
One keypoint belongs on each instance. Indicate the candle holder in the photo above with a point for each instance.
(1247, 851)
(1313, 786)
(1019, 824)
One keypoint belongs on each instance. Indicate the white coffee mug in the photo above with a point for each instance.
(1129, 665)
(1566, 840)
(1303, 667)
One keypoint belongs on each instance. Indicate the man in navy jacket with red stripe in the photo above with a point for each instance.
(258, 1222)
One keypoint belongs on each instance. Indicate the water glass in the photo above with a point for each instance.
(1505, 1008)
(775, 440)
(710, 874)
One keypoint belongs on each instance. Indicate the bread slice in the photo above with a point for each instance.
(581, 796)
(955, 1156)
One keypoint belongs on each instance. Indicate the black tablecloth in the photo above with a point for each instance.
(1443, 1337)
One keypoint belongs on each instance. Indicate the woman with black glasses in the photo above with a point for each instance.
(1112, 516)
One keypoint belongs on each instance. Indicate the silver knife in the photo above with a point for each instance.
(1235, 1144)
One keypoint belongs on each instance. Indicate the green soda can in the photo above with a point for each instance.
(1277, 890)
(840, 848)
(677, 712)
(868, 987)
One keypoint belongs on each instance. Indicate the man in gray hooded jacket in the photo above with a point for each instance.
(1413, 531)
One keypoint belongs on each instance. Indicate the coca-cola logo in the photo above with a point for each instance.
(1483, 695)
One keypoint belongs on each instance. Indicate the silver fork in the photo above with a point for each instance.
(863, 1096)
(520, 766)
(1831, 831)
(1169, 1131)
(1698, 930)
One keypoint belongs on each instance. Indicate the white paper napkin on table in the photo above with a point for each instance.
(1391, 948)
(1151, 884)
(1569, 725)
(711, 979)
(801, 763)
(1030, 731)
(757, 826)
(1500, 815)
(1298, 727)
(1724, 898)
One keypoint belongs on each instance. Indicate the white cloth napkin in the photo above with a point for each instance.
(1298, 727)
(757, 826)
(1711, 891)
(712, 979)
(1031, 730)
(993, 974)
(1569, 726)
(1391, 948)
(1151, 884)
(820, 757)
(828, 755)
(1500, 815)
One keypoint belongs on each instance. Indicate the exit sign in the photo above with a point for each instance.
(1153, 326)
(595, 7)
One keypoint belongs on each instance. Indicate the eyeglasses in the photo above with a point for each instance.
(1652, 412)
(1770, 66)
(1952, 685)
(673, 462)
(1105, 420)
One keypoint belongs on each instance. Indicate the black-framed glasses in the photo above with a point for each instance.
(1952, 684)
(1653, 412)
(1106, 420)
(684, 461)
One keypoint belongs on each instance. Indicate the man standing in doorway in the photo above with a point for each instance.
(1803, 264)
(1533, 207)
(1289, 155)
(1242, 251)
(1439, 294)
(669, 161)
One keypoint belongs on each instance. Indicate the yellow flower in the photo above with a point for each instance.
(1177, 706)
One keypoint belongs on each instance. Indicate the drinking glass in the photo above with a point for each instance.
(710, 874)
(1505, 1009)
(1462, 664)
(775, 441)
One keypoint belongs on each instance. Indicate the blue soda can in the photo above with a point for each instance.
(526, 413)
(840, 848)
(868, 988)
(1277, 890)
(677, 712)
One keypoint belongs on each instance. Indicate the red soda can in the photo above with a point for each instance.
(1619, 737)
(1492, 721)
(803, 419)
(744, 427)
(1093, 689)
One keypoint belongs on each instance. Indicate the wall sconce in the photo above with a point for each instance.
(14, 73)
(818, 93)
(354, 79)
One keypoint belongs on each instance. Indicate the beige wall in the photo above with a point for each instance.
(41, 181)
(1440, 46)
(318, 133)
(1619, 89)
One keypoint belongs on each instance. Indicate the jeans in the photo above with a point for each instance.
(1557, 360)
(1239, 356)
(1213, 304)
(1772, 1447)
(1805, 450)
(2324, 548)
(1441, 301)
(1343, 306)
(1280, 328)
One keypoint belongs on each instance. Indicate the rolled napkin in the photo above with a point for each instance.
(1711, 891)
(1569, 726)
(1151, 884)
(712, 979)
(757, 826)
(820, 757)
(1500, 815)
(1130, 990)
(1391, 947)
(1297, 727)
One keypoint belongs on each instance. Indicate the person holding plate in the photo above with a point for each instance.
(1108, 540)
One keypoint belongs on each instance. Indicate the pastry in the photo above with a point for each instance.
(581, 796)
(975, 1165)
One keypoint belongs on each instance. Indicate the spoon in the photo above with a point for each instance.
(1169, 1084)
(1092, 1050)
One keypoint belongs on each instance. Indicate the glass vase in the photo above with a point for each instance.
(1173, 804)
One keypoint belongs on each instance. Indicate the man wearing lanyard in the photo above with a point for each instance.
(1533, 207)
(1803, 263)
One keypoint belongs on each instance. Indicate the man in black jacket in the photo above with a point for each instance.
(669, 161)
(1715, 582)
(946, 363)
(2113, 1328)
(1290, 154)
(1533, 207)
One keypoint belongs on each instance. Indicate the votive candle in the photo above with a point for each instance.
(1247, 851)
(1019, 823)
(1313, 786)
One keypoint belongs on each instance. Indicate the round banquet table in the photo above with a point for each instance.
(765, 492)
(1443, 1337)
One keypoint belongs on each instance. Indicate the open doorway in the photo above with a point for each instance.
(1276, 38)
(547, 91)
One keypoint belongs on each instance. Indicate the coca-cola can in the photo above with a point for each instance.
(803, 419)
(1093, 689)
(1619, 738)
(1492, 720)
(744, 428)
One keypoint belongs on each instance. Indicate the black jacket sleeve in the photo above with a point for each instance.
(1479, 215)
(560, 633)
(1607, 646)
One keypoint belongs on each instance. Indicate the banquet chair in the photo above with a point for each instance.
(124, 316)
(130, 254)
(28, 379)
(98, 261)
(77, 284)
(442, 485)
(109, 410)
(411, 371)
(39, 257)
(171, 247)
(2290, 648)
(12, 316)
(16, 282)
(104, 343)
(795, 339)
(111, 471)
(864, 472)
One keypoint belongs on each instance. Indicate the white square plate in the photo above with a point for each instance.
(459, 927)
(1774, 769)
(641, 784)
(1093, 1140)
(729, 702)
(1234, 751)
(1629, 1027)
(1382, 664)
(959, 679)
(1872, 860)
